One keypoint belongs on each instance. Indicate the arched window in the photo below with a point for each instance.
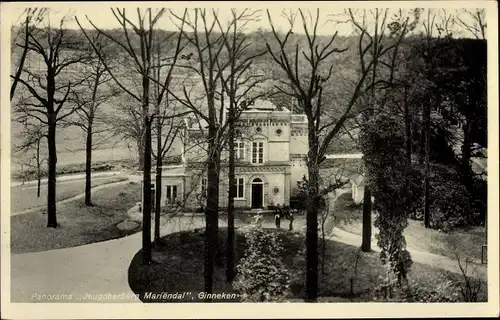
(257, 180)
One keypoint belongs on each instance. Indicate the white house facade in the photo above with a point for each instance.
(270, 153)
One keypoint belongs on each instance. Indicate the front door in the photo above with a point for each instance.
(257, 189)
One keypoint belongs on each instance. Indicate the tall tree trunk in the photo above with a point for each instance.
(427, 116)
(408, 136)
(38, 169)
(312, 218)
(323, 245)
(407, 126)
(367, 220)
(366, 239)
(159, 162)
(421, 150)
(146, 206)
(211, 211)
(466, 170)
(140, 152)
(88, 165)
(230, 205)
(52, 163)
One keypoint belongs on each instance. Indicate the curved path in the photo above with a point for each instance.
(86, 271)
(431, 259)
(67, 177)
(78, 196)
(424, 257)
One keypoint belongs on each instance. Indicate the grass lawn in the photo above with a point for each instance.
(178, 267)
(24, 197)
(79, 224)
(467, 243)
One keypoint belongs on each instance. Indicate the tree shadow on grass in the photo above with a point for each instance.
(177, 274)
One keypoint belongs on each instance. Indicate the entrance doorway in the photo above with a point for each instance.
(257, 193)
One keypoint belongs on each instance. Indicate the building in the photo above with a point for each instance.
(270, 152)
(357, 187)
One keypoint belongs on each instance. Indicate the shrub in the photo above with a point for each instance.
(470, 285)
(451, 206)
(444, 291)
(262, 275)
(450, 203)
(479, 200)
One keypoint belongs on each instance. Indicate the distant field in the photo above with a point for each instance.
(71, 148)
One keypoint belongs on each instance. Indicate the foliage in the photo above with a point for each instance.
(452, 77)
(467, 288)
(180, 268)
(450, 202)
(443, 291)
(262, 275)
(299, 262)
(387, 172)
(469, 285)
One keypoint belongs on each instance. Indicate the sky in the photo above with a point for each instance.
(100, 14)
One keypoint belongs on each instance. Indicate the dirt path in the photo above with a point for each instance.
(67, 177)
(427, 258)
(78, 196)
(417, 255)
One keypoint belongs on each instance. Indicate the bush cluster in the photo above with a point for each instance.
(444, 291)
(451, 205)
(262, 276)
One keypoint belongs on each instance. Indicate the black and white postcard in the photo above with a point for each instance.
(249, 159)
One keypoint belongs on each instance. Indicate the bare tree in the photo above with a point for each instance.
(92, 94)
(127, 122)
(385, 35)
(32, 17)
(208, 62)
(476, 24)
(166, 115)
(51, 83)
(471, 283)
(307, 72)
(34, 133)
(138, 46)
(435, 25)
(237, 85)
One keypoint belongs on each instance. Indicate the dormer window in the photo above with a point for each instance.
(258, 152)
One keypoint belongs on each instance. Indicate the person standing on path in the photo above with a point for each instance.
(290, 217)
(277, 216)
